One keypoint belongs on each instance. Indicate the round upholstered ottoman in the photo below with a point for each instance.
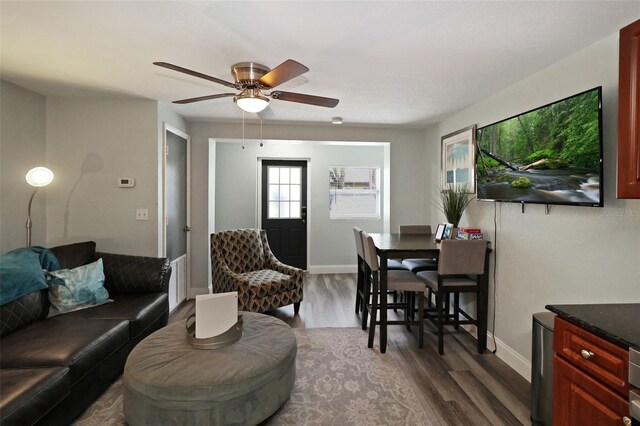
(166, 381)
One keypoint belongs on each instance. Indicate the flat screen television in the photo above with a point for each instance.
(549, 155)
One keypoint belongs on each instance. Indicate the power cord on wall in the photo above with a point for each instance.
(495, 267)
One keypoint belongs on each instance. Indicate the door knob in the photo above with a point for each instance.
(186, 229)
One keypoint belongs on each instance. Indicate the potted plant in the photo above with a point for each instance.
(453, 200)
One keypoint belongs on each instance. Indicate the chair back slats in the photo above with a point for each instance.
(462, 257)
(370, 255)
(359, 247)
(415, 229)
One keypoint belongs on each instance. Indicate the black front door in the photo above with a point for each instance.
(284, 209)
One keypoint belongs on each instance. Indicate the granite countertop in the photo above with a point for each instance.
(618, 323)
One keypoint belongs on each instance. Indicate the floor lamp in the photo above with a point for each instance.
(36, 177)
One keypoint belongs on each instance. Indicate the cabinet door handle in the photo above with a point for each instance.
(626, 421)
(587, 354)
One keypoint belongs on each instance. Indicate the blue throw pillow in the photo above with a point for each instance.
(20, 274)
(78, 288)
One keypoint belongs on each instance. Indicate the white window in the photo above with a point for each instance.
(354, 192)
(284, 192)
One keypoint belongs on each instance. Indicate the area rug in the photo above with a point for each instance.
(339, 381)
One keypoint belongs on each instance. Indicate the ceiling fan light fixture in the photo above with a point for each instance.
(251, 100)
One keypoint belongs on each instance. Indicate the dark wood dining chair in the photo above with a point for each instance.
(417, 265)
(460, 268)
(362, 279)
(397, 280)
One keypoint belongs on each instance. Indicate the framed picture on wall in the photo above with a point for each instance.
(459, 159)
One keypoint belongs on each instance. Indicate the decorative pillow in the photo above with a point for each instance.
(20, 274)
(75, 289)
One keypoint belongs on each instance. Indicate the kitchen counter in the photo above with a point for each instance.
(618, 323)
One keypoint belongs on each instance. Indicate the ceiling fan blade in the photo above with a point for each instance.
(305, 99)
(286, 71)
(194, 73)
(203, 98)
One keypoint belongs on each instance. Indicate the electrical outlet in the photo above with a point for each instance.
(142, 214)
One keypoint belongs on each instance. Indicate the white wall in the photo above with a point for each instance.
(22, 147)
(408, 175)
(331, 241)
(91, 142)
(574, 254)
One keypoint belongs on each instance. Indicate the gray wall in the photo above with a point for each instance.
(91, 142)
(408, 174)
(331, 241)
(574, 254)
(23, 121)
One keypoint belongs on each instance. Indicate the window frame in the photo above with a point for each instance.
(377, 192)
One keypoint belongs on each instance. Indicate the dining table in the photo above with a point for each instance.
(398, 246)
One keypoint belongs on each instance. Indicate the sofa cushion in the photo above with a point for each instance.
(141, 309)
(73, 255)
(27, 394)
(135, 274)
(23, 311)
(79, 345)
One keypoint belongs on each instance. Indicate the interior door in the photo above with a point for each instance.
(284, 209)
(177, 217)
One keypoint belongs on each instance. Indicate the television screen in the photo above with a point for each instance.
(550, 155)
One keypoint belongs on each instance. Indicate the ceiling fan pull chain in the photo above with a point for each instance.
(243, 129)
(261, 140)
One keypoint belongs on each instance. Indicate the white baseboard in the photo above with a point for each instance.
(193, 292)
(332, 269)
(512, 358)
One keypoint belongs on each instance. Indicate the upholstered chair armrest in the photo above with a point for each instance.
(276, 265)
(272, 261)
(135, 274)
(223, 269)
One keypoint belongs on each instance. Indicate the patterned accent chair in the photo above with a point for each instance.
(242, 261)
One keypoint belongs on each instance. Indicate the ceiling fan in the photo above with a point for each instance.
(252, 79)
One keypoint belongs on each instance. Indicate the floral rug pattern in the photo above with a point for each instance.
(339, 381)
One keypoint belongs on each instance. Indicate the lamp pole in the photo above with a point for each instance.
(29, 218)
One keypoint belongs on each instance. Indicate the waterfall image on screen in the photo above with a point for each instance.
(550, 155)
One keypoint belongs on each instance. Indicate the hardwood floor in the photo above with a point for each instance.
(460, 387)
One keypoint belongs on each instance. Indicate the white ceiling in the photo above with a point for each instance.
(389, 62)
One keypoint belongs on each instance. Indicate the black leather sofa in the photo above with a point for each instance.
(52, 369)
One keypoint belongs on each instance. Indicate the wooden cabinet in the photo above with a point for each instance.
(590, 378)
(629, 113)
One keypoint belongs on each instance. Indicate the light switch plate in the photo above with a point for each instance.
(142, 214)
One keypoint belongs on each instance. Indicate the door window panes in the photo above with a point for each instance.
(354, 192)
(295, 175)
(284, 190)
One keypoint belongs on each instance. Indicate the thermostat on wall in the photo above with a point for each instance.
(126, 182)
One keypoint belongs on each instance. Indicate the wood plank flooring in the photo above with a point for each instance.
(460, 387)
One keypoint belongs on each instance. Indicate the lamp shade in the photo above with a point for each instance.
(39, 176)
(252, 103)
